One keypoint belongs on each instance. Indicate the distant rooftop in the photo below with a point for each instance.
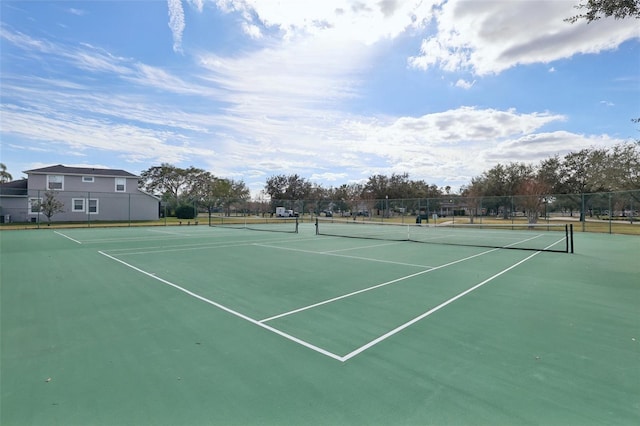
(15, 188)
(60, 169)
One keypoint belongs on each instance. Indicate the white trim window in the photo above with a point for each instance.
(121, 185)
(55, 182)
(77, 205)
(93, 206)
(88, 179)
(34, 205)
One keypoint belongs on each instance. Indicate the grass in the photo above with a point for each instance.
(613, 226)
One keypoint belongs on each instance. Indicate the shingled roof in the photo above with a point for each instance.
(84, 171)
(14, 188)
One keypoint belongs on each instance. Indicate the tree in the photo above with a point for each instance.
(49, 205)
(502, 183)
(4, 175)
(288, 188)
(592, 10)
(347, 197)
(213, 193)
(170, 181)
(534, 194)
(320, 199)
(584, 172)
(623, 171)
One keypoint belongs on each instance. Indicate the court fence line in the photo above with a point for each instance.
(608, 212)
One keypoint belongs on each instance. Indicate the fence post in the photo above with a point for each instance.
(583, 217)
(39, 208)
(610, 213)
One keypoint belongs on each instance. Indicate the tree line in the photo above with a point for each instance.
(585, 171)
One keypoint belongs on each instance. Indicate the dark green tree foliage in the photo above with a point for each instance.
(193, 185)
(185, 211)
(592, 10)
(499, 184)
(624, 167)
(291, 187)
(5, 176)
(169, 181)
(576, 175)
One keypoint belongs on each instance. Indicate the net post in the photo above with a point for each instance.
(317, 233)
(571, 236)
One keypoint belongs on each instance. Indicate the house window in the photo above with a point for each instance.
(55, 182)
(87, 179)
(121, 184)
(78, 204)
(93, 206)
(34, 205)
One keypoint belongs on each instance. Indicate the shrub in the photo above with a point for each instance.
(185, 211)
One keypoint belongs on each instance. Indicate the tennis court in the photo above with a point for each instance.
(228, 325)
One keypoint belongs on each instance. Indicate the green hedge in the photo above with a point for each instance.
(185, 211)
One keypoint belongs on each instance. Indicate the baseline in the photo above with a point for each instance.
(67, 237)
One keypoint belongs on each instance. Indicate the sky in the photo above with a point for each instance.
(335, 91)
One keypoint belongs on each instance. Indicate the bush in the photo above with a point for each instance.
(185, 211)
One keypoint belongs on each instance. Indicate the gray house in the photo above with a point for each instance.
(87, 194)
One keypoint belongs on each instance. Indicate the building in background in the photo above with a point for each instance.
(87, 194)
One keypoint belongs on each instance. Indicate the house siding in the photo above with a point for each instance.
(130, 204)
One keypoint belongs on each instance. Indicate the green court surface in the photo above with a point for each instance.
(198, 325)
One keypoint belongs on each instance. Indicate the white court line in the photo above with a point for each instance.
(229, 310)
(324, 302)
(317, 348)
(431, 311)
(331, 253)
(188, 247)
(365, 247)
(66, 236)
(171, 233)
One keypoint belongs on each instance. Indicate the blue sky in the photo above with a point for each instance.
(335, 90)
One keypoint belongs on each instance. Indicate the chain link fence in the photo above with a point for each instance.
(613, 212)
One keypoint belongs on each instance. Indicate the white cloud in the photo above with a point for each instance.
(63, 129)
(365, 21)
(197, 4)
(176, 23)
(487, 37)
(77, 12)
(463, 84)
(251, 30)
(291, 79)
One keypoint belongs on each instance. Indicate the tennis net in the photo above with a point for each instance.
(538, 237)
(279, 224)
